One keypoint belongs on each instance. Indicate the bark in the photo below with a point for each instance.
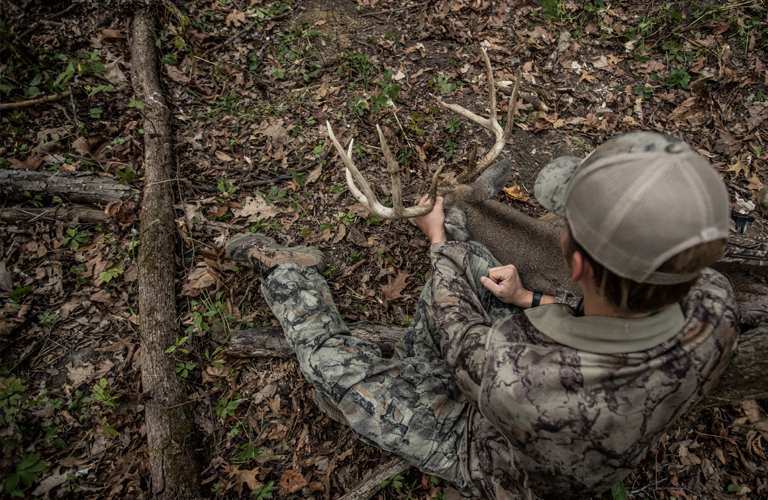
(171, 434)
(72, 187)
(7, 106)
(27, 215)
(744, 379)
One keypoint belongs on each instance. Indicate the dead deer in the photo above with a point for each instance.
(532, 245)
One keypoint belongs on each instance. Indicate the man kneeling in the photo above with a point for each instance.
(509, 393)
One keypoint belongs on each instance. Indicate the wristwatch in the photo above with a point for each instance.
(536, 299)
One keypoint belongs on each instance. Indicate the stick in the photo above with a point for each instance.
(393, 10)
(33, 102)
(372, 485)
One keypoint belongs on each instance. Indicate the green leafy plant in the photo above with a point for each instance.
(110, 274)
(680, 78)
(226, 407)
(443, 84)
(356, 256)
(449, 147)
(25, 474)
(74, 239)
(96, 113)
(396, 482)
(264, 492)
(642, 91)
(357, 107)
(134, 103)
(183, 368)
(272, 195)
(226, 190)
(104, 395)
(35, 201)
(126, 175)
(46, 318)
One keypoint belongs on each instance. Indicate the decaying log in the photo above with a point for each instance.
(72, 187)
(270, 341)
(743, 380)
(27, 215)
(372, 485)
(171, 433)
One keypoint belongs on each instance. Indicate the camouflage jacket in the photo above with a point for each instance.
(565, 406)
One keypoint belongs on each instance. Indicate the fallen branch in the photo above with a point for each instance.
(171, 434)
(28, 215)
(73, 187)
(372, 485)
(743, 380)
(394, 10)
(7, 106)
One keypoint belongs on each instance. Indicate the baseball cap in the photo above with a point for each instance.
(636, 201)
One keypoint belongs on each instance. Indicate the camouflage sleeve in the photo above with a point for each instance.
(461, 320)
(565, 297)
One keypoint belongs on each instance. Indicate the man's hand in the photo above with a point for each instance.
(504, 282)
(433, 223)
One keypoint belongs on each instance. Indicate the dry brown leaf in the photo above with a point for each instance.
(393, 287)
(738, 167)
(242, 477)
(292, 482)
(235, 18)
(6, 279)
(102, 296)
(221, 155)
(52, 479)
(29, 164)
(314, 175)
(80, 375)
(256, 209)
(686, 457)
(357, 238)
(180, 77)
(586, 76)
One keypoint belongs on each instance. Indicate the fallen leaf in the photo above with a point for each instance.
(6, 279)
(314, 175)
(256, 209)
(586, 76)
(738, 167)
(180, 77)
(292, 481)
(102, 296)
(51, 480)
(221, 155)
(357, 238)
(393, 287)
(235, 18)
(686, 457)
(242, 477)
(755, 184)
(80, 375)
(515, 193)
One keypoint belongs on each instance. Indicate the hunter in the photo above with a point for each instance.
(512, 394)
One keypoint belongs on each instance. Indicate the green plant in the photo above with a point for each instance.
(227, 407)
(758, 150)
(264, 492)
(642, 91)
(248, 453)
(183, 368)
(443, 85)
(356, 256)
(226, 190)
(336, 189)
(680, 77)
(110, 274)
(449, 147)
(272, 195)
(134, 103)
(74, 239)
(96, 113)
(126, 175)
(103, 394)
(47, 317)
(25, 474)
(35, 201)
(358, 106)
(330, 271)
(346, 218)
(452, 126)
(396, 482)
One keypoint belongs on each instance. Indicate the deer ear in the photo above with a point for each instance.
(494, 178)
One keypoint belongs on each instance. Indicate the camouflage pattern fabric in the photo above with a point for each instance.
(408, 404)
(550, 420)
(745, 250)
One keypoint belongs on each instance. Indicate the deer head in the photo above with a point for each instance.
(365, 195)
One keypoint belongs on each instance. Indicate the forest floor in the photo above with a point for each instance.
(251, 86)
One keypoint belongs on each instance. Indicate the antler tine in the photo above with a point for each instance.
(491, 123)
(367, 198)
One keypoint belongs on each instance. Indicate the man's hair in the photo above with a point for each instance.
(630, 297)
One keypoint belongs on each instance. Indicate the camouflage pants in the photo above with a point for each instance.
(408, 404)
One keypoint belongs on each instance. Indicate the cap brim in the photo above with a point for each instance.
(552, 183)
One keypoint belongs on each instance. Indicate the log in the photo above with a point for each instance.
(171, 433)
(27, 215)
(73, 187)
(743, 380)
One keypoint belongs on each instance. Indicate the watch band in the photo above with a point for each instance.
(536, 299)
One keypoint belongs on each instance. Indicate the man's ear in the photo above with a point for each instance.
(580, 268)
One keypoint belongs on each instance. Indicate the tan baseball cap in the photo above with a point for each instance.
(636, 201)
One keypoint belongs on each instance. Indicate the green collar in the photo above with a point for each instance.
(604, 335)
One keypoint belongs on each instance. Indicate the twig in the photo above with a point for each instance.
(745, 192)
(74, 111)
(394, 10)
(34, 26)
(372, 485)
(33, 102)
(232, 39)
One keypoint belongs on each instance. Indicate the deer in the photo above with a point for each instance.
(533, 245)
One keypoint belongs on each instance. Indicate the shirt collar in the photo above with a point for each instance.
(604, 335)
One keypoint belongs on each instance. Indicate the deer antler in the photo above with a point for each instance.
(366, 197)
(491, 123)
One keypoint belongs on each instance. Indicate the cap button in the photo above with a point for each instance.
(675, 147)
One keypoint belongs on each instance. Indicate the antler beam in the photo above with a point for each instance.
(366, 196)
(491, 124)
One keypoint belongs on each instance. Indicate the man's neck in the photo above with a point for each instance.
(595, 305)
